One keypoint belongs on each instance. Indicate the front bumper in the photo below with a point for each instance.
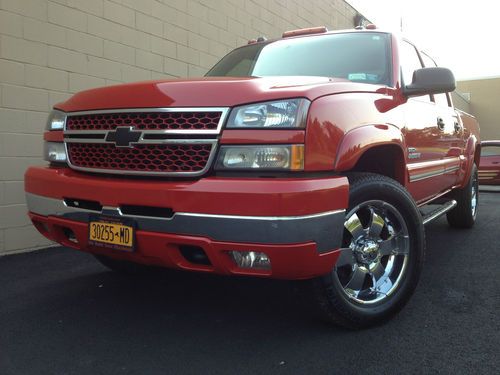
(298, 223)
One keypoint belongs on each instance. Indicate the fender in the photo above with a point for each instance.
(469, 159)
(359, 140)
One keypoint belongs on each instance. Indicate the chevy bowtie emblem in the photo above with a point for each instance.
(123, 136)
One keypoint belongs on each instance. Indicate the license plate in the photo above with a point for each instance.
(111, 234)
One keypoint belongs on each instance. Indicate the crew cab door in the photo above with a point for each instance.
(429, 134)
(452, 132)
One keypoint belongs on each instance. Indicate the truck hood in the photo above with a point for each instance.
(208, 92)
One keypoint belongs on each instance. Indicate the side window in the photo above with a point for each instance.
(440, 99)
(409, 63)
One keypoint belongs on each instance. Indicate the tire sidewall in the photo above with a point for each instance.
(473, 183)
(396, 196)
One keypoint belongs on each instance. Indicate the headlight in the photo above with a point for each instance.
(289, 113)
(56, 120)
(54, 152)
(268, 157)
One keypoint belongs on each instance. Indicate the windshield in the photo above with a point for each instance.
(359, 57)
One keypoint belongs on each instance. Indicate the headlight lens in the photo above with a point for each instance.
(289, 113)
(56, 120)
(55, 152)
(267, 157)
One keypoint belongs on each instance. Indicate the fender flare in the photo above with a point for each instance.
(359, 140)
(469, 153)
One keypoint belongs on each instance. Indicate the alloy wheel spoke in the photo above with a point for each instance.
(376, 224)
(377, 273)
(346, 257)
(354, 226)
(379, 245)
(395, 245)
(357, 279)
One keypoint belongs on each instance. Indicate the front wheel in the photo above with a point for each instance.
(382, 255)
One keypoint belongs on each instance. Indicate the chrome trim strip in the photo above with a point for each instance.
(270, 218)
(425, 175)
(224, 112)
(434, 173)
(145, 141)
(325, 228)
(144, 131)
(47, 206)
(83, 132)
(451, 169)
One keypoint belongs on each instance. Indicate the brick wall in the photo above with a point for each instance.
(483, 94)
(50, 49)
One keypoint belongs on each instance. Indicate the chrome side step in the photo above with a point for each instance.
(433, 215)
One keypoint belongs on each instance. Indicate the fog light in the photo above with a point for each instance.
(55, 152)
(251, 259)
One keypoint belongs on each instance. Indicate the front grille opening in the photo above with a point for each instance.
(83, 204)
(42, 227)
(161, 212)
(195, 255)
(142, 158)
(70, 235)
(146, 121)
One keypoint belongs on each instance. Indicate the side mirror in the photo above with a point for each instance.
(430, 81)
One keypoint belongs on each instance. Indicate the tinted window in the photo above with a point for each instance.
(490, 151)
(360, 57)
(409, 63)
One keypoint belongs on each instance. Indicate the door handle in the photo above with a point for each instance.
(440, 123)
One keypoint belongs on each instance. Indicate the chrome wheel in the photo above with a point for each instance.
(473, 201)
(381, 256)
(375, 253)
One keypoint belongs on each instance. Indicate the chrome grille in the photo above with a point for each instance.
(166, 141)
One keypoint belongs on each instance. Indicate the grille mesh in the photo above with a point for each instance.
(146, 121)
(141, 158)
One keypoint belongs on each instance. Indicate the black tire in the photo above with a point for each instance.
(124, 267)
(399, 235)
(465, 213)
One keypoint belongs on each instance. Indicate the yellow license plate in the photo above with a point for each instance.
(111, 235)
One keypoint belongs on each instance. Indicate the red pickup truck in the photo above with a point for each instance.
(307, 157)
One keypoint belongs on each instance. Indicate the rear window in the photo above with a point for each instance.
(358, 57)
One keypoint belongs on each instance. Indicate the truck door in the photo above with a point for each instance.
(451, 135)
(425, 126)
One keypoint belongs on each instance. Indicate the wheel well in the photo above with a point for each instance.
(387, 160)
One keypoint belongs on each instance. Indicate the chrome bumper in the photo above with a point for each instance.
(325, 229)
